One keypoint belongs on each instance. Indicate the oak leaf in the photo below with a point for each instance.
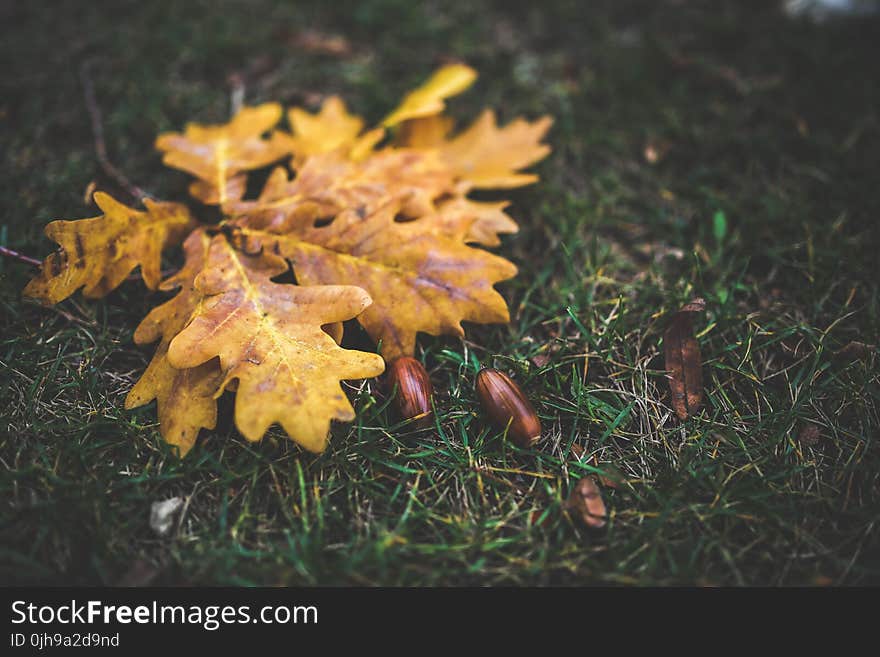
(330, 129)
(185, 397)
(268, 336)
(218, 154)
(381, 231)
(428, 98)
(487, 156)
(484, 156)
(475, 221)
(426, 132)
(98, 254)
(420, 278)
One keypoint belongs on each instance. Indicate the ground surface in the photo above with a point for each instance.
(763, 199)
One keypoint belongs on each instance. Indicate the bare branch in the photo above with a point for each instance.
(109, 168)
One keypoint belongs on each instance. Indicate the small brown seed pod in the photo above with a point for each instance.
(507, 407)
(586, 503)
(412, 398)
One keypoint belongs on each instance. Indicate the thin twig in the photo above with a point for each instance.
(98, 132)
(15, 255)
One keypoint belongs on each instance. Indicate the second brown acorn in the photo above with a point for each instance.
(507, 407)
(409, 382)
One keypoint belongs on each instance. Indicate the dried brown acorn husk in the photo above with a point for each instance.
(586, 504)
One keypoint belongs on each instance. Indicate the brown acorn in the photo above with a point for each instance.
(410, 384)
(505, 404)
(586, 503)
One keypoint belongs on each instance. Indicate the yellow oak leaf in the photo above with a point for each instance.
(321, 188)
(98, 254)
(428, 98)
(365, 144)
(486, 156)
(427, 132)
(330, 183)
(268, 337)
(483, 156)
(219, 154)
(185, 398)
(421, 278)
(330, 129)
(475, 221)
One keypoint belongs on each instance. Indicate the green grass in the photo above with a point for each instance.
(766, 204)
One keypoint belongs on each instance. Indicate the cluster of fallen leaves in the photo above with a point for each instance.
(375, 225)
